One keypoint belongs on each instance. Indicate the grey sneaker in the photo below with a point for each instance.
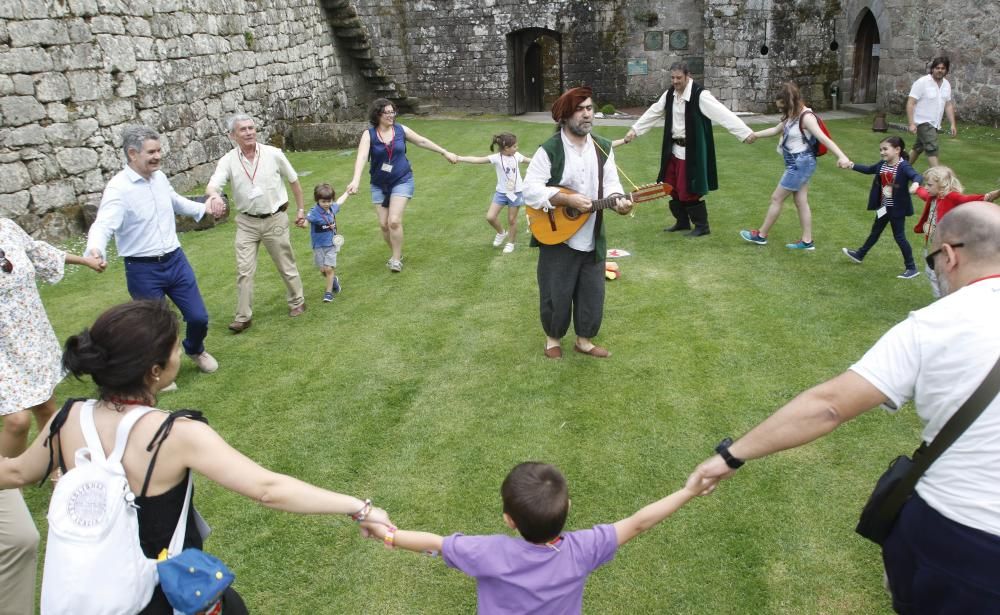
(852, 254)
(395, 266)
(909, 274)
(205, 362)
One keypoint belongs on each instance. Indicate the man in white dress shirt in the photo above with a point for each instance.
(687, 161)
(138, 208)
(929, 100)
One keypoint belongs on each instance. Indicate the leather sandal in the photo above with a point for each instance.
(596, 351)
(554, 353)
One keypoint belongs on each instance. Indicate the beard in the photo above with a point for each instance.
(579, 128)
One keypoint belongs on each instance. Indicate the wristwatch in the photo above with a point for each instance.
(723, 449)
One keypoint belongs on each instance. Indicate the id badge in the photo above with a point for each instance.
(510, 185)
(887, 191)
(511, 196)
(386, 167)
(256, 193)
(881, 211)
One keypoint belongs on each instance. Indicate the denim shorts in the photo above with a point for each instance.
(403, 188)
(799, 168)
(500, 198)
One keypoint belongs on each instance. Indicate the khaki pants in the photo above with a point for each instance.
(18, 555)
(273, 233)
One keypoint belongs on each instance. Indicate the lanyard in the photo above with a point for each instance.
(508, 172)
(256, 161)
(390, 145)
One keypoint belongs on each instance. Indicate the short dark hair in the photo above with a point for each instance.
(324, 192)
(536, 497)
(897, 142)
(123, 344)
(681, 66)
(378, 106)
(940, 60)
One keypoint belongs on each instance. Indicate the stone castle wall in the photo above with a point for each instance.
(73, 72)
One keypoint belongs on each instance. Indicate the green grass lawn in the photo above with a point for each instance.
(421, 390)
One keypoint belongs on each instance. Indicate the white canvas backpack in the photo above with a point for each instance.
(93, 561)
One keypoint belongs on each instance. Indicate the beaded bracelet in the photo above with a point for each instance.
(390, 537)
(362, 514)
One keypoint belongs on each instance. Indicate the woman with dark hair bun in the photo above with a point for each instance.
(132, 352)
(384, 145)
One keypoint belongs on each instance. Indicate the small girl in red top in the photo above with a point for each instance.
(942, 194)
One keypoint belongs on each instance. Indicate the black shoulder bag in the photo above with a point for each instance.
(896, 485)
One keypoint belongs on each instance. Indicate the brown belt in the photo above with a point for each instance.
(262, 216)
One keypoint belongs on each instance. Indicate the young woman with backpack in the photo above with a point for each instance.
(132, 352)
(801, 133)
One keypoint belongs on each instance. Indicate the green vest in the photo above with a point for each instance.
(557, 157)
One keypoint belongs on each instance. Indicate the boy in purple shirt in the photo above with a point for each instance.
(544, 573)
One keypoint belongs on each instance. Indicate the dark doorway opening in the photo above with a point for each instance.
(864, 84)
(535, 63)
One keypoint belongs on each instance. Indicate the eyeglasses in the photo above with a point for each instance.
(930, 257)
(388, 113)
(5, 264)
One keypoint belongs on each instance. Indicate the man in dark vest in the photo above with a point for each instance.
(571, 273)
(688, 159)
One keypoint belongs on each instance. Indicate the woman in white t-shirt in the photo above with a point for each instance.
(800, 132)
(508, 190)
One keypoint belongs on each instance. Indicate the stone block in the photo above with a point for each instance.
(24, 85)
(52, 195)
(79, 31)
(25, 60)
(328, 135)
(92, 181)
(14, 177)
(15, 204)
(6, 85)
(50, 87)
(81, 56)
(10, 9)
(58, 226)
(32, 134)
(20, 110)
(37, 32)
(138, 26)
(57, 112)
(83, 8)
(76, 160)
(115, 111)
(90, 85)
(119, 54)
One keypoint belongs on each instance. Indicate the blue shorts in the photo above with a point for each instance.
(799, 168)
(403, 188)
(500, 198)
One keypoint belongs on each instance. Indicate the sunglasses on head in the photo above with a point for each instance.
(930, 257)
(5, 264)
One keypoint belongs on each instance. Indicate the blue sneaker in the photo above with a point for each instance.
(909, 274)
(327, 297)
(754, 237)
(336, 284)
(853, 255)
(801, 245)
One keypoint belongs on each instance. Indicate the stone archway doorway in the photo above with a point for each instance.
(864, 85)
(535, 69)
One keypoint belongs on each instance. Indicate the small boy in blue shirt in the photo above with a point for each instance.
(326, 241)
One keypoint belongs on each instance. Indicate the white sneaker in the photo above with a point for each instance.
(170, 388)
(205, 362)
(499, 239)
(507, 249)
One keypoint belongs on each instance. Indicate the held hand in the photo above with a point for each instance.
(300, 219)
(698, 484)
(102, 263)
(374, 530)
(953, 131)
(352, 188)
(452, 158)
(844, 163)
(94, 263)
(991, 196)
(623, 206)
(378, 517)
(751, 138)
(912, 128)
(630, 136)
(714, 468)
(216, 206)
(913, 187)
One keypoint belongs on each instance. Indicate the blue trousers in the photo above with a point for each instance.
(898, 233)
(173, 278)
(939, 567)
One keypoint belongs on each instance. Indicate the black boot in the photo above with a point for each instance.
(698, 212)
(682, 223)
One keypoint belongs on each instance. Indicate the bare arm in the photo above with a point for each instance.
(427, 144)
(911, 105)
(93, 262)
(405, 539)
(949, 110)
(28, 467)
(809, 123)
(473, 159)
(300, 213)
(652, 514)
(811, 415)
(364, 148)
(770, 132)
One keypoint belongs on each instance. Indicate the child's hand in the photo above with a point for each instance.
(927, 227)
(374, 529)
(913, 187)
(698, 484)
(844, 163)
(991, 196)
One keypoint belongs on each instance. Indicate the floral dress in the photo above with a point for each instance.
(30, 355)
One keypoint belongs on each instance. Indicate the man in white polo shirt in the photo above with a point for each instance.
(929, 100)
(943, 554)
(258, 173)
